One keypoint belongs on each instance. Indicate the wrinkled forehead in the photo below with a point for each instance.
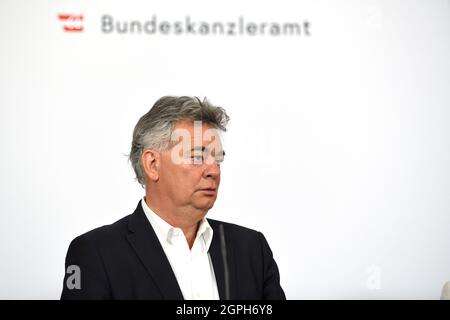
(200, 134)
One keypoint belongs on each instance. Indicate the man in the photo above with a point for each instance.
(167, 249)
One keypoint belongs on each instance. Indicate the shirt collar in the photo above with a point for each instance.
(165, 232)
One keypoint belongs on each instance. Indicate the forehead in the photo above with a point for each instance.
(199, 132)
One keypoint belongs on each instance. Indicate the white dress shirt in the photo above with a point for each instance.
(193, 268)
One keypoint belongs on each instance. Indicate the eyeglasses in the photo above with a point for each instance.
(204, 155)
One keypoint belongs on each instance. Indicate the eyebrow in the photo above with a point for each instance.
(203, 149)
(198, 148)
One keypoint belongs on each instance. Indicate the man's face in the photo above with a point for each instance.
(190, 170)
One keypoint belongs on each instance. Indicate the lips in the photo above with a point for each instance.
(207, 190)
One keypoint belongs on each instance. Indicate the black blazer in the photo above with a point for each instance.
(125, 260)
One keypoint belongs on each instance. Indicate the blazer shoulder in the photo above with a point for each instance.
(106, 233)
(237, 231)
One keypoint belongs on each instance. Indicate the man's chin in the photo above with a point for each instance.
(204, 204)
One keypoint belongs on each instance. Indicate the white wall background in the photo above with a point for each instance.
(338, 148)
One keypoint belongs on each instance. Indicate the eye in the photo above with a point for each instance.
(197, 159)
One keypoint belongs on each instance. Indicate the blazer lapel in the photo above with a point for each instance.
(143, 239)
(218, 262)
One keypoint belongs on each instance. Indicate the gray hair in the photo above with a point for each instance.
(154, 129)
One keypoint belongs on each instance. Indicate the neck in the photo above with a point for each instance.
(190, 234)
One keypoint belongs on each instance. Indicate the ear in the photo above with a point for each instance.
(150, 161)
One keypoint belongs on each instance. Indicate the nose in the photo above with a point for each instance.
(212, 171)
